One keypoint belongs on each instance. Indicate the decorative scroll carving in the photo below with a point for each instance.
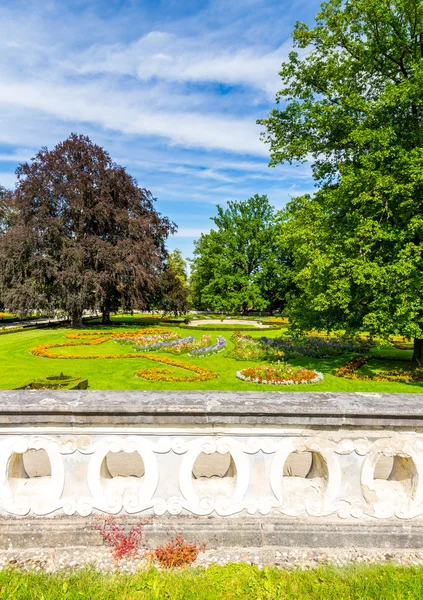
(341, 477)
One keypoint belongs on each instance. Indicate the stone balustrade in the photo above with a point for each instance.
(282, 468)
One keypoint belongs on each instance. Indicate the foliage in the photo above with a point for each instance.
(238, 266)
(178, 265)
(248, 348)
(84, 235)
(352, 100)
(177, 553)
(5, 331)
(224, 327)
(123, 543)
(318, 346)
(281, 374)
(170, 294)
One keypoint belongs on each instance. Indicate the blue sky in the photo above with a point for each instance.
(172, 89)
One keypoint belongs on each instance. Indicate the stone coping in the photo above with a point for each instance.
(224, 533)
(117, 407)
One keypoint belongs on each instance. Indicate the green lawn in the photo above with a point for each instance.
(18, 366)
(232, 582)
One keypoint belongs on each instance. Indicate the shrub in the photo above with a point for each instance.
(123, 543)
(177, 553)
(225, 327)
(56, 382)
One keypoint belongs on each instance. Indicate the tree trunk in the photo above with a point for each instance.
(105, 316)
(417, 359)
(76, 319)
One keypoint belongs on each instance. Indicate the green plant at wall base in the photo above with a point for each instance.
(177, 553)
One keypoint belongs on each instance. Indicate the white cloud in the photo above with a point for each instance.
(8, 180)
(128, 113)
(18, 156)
(191, 59)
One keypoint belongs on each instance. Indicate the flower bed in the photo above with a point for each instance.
(165, 344)
(204, 351)
(201, 374)
(165, 374)
(317, 346)
(158, 342)
(248, 348)
(349, 371)
(281, 374)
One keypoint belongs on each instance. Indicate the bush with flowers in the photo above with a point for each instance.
(280, 374)
(248, 348)
(317, 346)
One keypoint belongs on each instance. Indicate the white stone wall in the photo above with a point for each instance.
(208, 470)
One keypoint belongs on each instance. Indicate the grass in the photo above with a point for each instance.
(18, 366)
(232, 582)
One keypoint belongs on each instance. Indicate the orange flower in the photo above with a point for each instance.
(150, 374)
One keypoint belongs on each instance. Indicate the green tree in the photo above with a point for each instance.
(178, 264)
(352, 101)
(170, 294)
(237, 267)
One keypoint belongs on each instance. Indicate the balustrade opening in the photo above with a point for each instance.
(214, 474)
(28, 472)
(305, 476)
(122, 472)
(395, 474)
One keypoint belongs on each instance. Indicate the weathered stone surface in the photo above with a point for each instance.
(248, 532)
(150, 407)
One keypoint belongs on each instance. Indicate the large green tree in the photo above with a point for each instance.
(84, 234)
(352, 102)
(237, 266)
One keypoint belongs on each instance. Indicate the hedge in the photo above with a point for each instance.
(226, 327)
(56, 382)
